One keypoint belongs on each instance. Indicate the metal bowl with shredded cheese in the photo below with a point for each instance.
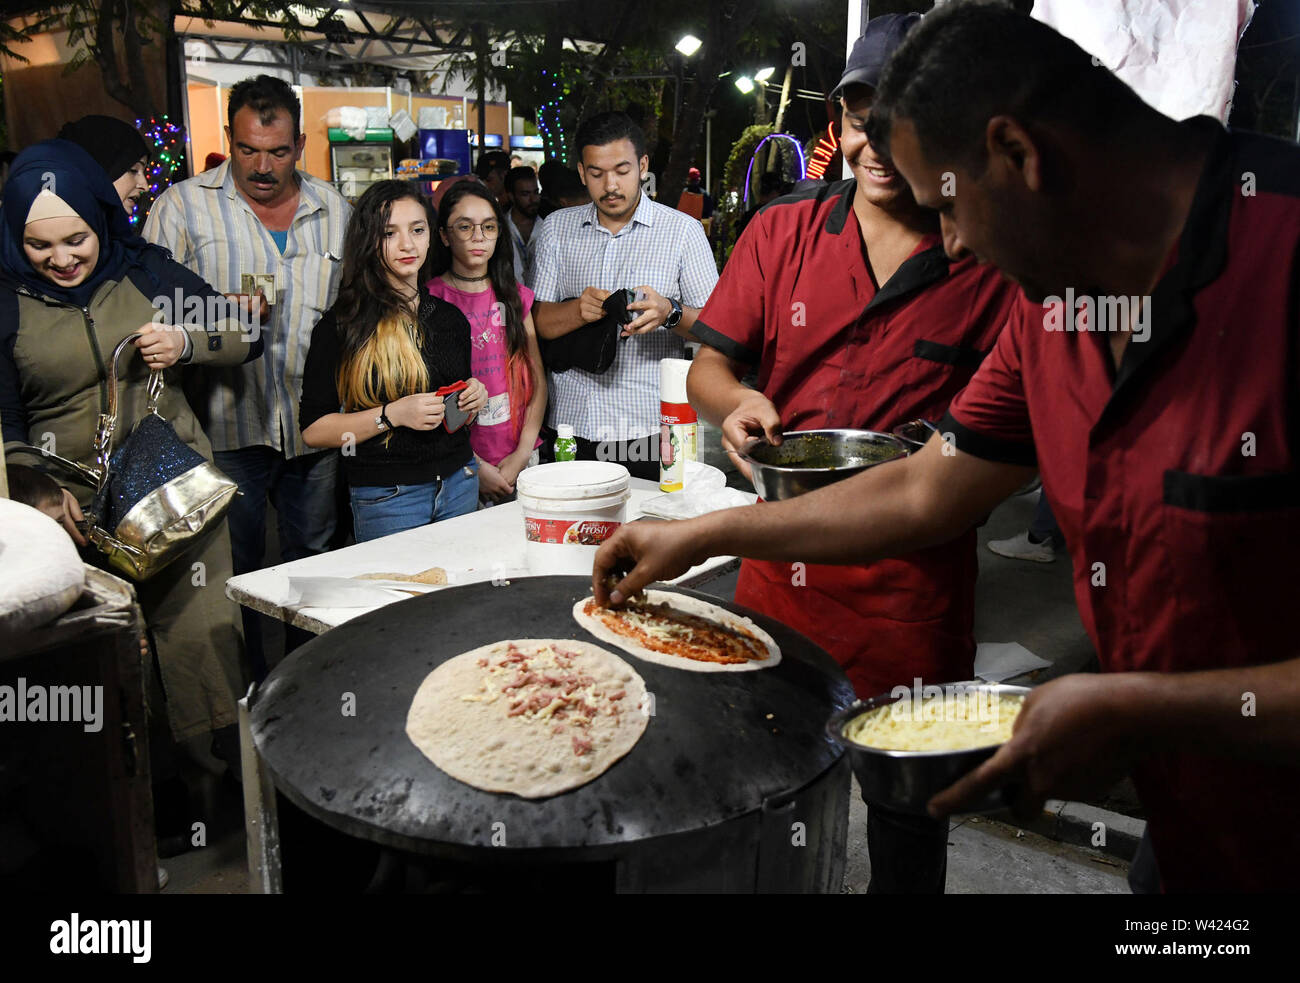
(905, 746)
(953, 722)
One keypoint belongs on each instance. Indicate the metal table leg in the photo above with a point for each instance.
(261, 824)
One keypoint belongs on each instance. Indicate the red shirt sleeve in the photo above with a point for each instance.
(990, 418)
(733, 319)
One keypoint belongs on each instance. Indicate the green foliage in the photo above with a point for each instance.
(82, 20)
(729, 208)
(733, 175)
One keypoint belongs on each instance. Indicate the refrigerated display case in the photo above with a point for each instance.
(356, 165)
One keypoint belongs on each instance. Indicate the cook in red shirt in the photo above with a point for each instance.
(1168, 440)
(844, 302)
(799, 302)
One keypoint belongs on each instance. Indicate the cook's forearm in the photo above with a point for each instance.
(1247, 712)
(713, 385)
(811, 528)
(895, 508)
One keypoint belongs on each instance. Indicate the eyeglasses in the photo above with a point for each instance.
(465, 229)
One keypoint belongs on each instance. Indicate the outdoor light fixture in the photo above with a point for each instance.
(689, 44)
(745, 84)
(763, 74)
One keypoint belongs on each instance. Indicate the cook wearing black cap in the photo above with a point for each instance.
(871, 51)
(1166, 429)
(842, 300)
(119, 149)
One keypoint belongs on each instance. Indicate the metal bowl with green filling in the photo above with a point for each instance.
(809, 459)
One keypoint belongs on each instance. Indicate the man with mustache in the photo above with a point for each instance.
(581, 256)
(843, 301)
(1168, 441)
(256, 213)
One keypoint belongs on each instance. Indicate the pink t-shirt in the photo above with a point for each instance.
(491, 436)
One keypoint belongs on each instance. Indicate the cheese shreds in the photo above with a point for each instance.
(953, 722)
(532, 717)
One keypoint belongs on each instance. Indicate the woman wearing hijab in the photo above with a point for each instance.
(75, 280)
(119, 149)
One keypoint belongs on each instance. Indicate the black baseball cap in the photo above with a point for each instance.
(871, 51)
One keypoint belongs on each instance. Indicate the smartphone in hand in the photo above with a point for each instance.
(454, 417)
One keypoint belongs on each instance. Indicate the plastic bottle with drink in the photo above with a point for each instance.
(566, 446)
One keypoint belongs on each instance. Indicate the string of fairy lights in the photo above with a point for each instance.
(168, 141)
(553, 138)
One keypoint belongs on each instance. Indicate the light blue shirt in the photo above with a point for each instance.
(210, 228)
(661, 248)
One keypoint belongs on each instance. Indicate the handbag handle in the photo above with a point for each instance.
(84, 470)
(108, 421)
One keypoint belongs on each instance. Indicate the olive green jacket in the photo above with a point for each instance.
(54, 361)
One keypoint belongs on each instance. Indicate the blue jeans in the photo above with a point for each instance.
(302, 490)
(1044, 527)
(381, 510)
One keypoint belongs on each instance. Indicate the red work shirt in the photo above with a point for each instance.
(798, 300)
(1176, 482)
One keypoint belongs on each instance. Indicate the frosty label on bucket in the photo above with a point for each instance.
(577, 532)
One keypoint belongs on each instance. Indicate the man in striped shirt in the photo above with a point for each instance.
(258, 214)
(621, 240)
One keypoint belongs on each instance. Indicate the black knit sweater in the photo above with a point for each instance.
(408, 457)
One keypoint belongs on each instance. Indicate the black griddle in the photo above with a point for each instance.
(710, 753)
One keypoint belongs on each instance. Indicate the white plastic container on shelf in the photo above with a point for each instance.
(570, 508)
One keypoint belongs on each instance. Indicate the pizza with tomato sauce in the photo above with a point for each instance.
(682, 632)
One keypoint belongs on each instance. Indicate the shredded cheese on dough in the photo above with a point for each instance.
(545, 661)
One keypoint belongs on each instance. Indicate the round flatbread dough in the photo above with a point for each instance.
(533, 717)
(686, 605)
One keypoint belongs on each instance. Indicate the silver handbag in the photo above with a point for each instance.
(155, 495)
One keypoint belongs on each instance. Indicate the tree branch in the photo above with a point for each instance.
(104, 49)
(141, 103)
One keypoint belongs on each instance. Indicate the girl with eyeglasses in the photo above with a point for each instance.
(474, 270)
(377, 358)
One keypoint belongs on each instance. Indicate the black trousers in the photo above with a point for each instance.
(909, 854)
(1144, 872)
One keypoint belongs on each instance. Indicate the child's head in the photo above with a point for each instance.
(37, 489)
(472, 231)
(390, 223)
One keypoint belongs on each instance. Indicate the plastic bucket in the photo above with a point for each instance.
(570, 508)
